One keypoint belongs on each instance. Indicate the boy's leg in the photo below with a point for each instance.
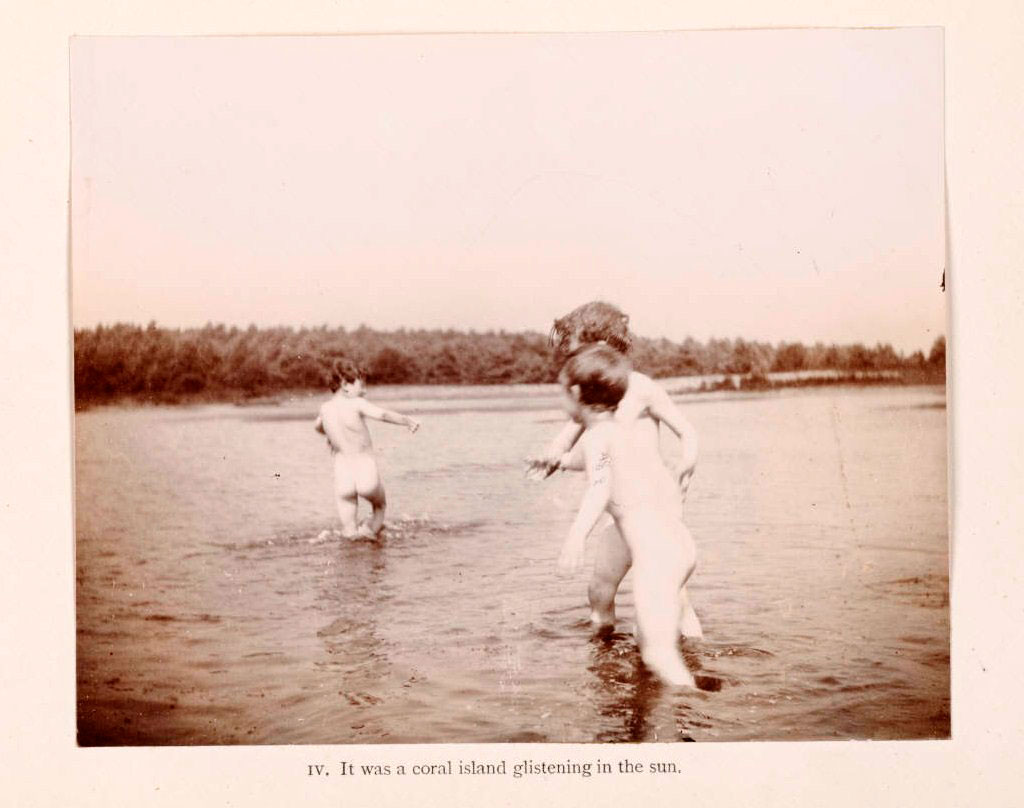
(372, 490)
(345, 495)
(661, 565)
(689, 623)
(347, 507)
(376, 499)
(611, 564)
(656, 598)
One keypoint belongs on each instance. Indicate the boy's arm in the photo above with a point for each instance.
(663, 409)
(318, 425)
(388, 416)
(595, 502)
(573, 460)
(549, 460)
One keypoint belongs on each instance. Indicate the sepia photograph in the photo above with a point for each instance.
(510, 388)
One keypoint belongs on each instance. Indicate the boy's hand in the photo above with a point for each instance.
(413, 425)
(540, 468)
(684, 476)
(571, 558)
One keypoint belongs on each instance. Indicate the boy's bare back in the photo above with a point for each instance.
(638, 475)
(344, 422)
(626, 478)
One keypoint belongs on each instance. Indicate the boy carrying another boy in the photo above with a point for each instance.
(627, 478)
(645, 404)
(343, 420)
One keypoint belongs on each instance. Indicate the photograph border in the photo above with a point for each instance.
(978, 766)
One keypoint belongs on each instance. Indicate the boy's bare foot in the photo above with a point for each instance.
(689, 626)
(602, 626)
(669, 667)
(368, 530)
(689, 623)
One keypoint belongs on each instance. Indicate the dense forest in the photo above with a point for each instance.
(220, 363)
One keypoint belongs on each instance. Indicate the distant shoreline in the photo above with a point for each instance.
(157, 365)
(689, 387)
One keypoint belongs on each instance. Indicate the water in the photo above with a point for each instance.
(210, 611)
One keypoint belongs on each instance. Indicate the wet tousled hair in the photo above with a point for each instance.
(602, 374)
(344, 371)
(592, 322)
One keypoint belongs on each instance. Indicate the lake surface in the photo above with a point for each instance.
(211, 609)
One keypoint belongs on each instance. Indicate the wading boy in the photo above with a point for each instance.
(645, 405)
(343, 420)
(627, 478)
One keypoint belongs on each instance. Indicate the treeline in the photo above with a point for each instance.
(218, 362)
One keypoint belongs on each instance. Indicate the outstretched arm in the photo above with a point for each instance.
(549, 460)
(388, 416)
(595, 501)
(663, 409)
(573, 460)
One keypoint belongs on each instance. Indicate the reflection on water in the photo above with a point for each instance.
(217, 604)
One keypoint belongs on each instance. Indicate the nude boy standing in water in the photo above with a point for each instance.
(627, 479)
(343, 420)
(645, 405)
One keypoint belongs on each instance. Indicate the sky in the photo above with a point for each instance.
(770, 185)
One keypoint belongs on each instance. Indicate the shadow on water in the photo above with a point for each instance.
(640, 707)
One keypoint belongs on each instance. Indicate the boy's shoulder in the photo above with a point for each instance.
(640, 382)
(641, 387)
(339, 404)
(600, 433)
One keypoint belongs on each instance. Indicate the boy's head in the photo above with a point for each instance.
(595, 377)
(347, 376)
(592, 322)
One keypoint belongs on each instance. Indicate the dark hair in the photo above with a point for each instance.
(592, 322)
(602, 374)
(344, 371)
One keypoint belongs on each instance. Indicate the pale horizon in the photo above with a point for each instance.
(768, 185)
(867, 342)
